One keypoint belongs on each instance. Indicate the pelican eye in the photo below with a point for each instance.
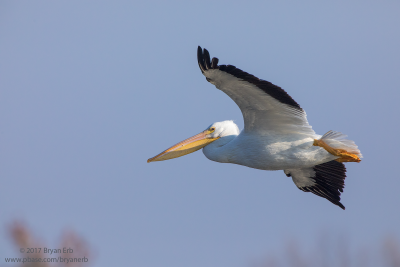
(212, 129)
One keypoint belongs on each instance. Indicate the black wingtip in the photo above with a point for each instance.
(328, 181)
(214, 63)
(330, 177)
(206, 57)
(200, 59)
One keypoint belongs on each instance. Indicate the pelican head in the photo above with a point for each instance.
(215, 131)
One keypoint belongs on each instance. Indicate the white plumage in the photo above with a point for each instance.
(276, 134)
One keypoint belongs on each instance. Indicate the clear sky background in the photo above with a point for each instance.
(89, 90)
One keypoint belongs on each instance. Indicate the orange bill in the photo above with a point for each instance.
(185, 147)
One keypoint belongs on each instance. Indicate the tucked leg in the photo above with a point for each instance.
(343, 155)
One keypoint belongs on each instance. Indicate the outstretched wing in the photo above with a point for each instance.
(325, 180)
(265, 107)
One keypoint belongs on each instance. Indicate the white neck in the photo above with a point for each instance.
(219, 150)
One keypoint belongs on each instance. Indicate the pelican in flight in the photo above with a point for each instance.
(276, 134)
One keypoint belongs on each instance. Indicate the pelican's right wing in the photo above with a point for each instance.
(265, 107)
(325, 180)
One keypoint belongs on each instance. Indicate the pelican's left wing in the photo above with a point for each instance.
(265, 107)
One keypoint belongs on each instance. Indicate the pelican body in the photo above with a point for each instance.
(276, 135)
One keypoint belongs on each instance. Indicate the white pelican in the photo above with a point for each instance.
(276, 134)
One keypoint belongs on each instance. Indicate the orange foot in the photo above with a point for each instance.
(343, 155)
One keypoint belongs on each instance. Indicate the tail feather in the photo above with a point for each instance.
(339, 141)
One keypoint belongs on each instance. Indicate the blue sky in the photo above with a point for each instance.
(90, 90)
